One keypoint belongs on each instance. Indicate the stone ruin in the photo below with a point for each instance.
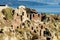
(30, 24)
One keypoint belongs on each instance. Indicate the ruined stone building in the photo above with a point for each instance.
(37, 28)
(37, 24)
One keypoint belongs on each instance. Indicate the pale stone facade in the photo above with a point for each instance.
(22, 12)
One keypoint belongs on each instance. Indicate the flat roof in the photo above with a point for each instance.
(2, 5)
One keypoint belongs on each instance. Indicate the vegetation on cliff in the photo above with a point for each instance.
(47, 24)
(8, 13)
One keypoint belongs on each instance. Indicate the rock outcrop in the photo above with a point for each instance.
(27, 24)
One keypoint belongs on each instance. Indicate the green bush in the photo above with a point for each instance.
(8, 13)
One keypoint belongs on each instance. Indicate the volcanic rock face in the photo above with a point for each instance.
(26, 24)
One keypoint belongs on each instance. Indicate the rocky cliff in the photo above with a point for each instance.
(27, 24)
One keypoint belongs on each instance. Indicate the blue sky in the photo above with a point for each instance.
(53, 5)
(45, 1)
(51, 2)
(41, 1)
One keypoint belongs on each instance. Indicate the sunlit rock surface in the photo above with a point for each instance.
(27, 24)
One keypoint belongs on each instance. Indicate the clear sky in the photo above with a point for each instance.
(52, 2)
(53, 5)
(44, 1)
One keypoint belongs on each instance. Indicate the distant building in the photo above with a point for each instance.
(21, 12)
(3, 7)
